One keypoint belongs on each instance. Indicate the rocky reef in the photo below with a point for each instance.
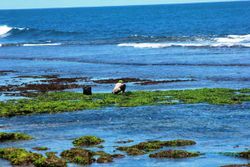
(145, 147)
(87, 141)
(4, 136)
(78, 156)
(42, 148)
(174, 154)
(21, 157)
(54, 102)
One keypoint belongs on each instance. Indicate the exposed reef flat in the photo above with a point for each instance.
(54, 102)
(139, 81)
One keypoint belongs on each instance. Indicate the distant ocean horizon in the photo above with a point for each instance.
(191, 32)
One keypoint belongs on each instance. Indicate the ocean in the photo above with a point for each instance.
(208, 42)
(203, 45)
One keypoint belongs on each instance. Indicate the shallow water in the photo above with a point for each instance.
(215, 128)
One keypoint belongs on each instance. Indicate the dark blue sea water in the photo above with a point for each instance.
(197, 25)
(208, 43)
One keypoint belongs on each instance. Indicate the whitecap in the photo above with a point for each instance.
(4, 30)
(41, 44)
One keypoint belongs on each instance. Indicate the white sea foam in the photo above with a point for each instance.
(29, 44)
(4, 30)
(228, 41)
(161, 45)
(233, 39)
(41, 44)
(145, 45)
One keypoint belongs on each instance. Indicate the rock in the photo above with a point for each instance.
(174, 154)
(87, 141)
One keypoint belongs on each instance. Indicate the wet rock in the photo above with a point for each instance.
(124, 141)
(140, 81)
(21, 157)
(78, 156)
(38, 76)
(4, 136)
(132, 151)
(40, 148)
(66, 80)
(112, 81)
(47, 87)
(245, 154)
(155, 145)
(104, 159)
(87, 141)
(174, 154)
(18, 156)
(118, 155)
(51, 161)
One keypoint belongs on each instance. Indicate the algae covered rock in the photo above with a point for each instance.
(118, 155)
(124, 141)
(51, 161)
(174, 154)
(131, 150)
(78, 156)
(105, 159)
(4, 136)
(149, 146)
(245, 154)
(87, 141)
(18, 156)
(40, 148)
(22, 157)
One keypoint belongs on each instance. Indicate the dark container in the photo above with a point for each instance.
(87, 90)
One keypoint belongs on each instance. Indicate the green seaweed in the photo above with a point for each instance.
(87, 141)
(54, 102)
(78, 156)
(149, 146)
(4, 136)
(174, 154)
(51, 161)
(21, 157)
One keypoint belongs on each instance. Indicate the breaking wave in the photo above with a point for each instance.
(227, 41)
(23, 36)
(30, 44)
(6, 30)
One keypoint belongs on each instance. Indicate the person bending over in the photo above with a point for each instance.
(119, 87)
